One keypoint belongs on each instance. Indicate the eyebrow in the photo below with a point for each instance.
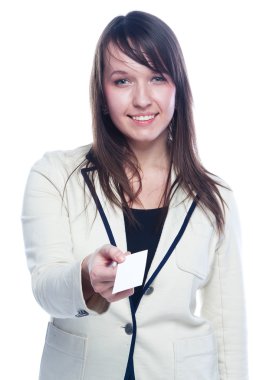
(121, 72)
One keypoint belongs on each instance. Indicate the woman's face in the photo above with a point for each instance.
(140, 102)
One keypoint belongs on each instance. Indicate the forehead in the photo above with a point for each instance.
(116, 59)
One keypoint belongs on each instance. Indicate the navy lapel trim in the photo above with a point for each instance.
(173, 245)
(98, 203)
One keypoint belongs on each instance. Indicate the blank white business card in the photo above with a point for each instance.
(130, 273)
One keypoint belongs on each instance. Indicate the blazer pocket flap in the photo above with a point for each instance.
(203, 345)
(70, 344)
(192, 251)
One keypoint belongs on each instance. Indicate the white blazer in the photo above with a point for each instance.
(190, 324)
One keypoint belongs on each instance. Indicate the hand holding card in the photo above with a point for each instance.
(130, 273)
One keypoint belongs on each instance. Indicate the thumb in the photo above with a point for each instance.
(114, 254)
(118, 259)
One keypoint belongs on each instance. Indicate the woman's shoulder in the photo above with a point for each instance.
(56, 167)
(228, 196)
(224, 188)
(62, 160)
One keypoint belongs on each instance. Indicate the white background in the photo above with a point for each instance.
(46, 52)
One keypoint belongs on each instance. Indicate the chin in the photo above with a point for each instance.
(143, 141)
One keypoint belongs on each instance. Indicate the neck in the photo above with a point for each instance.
(151, 155)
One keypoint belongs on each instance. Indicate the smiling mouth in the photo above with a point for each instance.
(143, 117)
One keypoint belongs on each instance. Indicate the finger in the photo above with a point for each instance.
(113, 254)
(103, 273)
(100, 274)
(117, 296)
(121, 295)
(111, 274)
(115, 263)
(104, 288)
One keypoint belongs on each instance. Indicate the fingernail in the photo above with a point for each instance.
(121, 258)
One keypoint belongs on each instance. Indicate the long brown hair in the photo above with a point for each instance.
(149, 41)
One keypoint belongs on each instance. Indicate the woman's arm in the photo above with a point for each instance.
(64, 286)
(56, 275)
(224, 302)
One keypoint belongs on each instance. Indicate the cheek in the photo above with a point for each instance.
(117, 101)
(166, 97)
(169, 100)
(114, 100)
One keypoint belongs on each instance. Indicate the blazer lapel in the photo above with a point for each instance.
(173, 222)
(115, 218)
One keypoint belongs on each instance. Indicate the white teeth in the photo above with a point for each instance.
(143, 118)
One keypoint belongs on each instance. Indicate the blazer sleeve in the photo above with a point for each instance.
(55, 273)
(223, 301)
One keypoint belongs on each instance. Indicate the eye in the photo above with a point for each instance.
(121, 82)
(159, 78)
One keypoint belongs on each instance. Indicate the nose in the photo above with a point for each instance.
(142, 95)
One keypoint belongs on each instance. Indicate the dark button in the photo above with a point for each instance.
(81, 313)
(129, 328)
(149, 290)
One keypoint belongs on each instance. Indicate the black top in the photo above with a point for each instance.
(145, 235)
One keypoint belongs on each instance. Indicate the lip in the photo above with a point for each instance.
(143, 114)
(152, 116)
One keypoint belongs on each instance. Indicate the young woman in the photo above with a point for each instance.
(139, 186)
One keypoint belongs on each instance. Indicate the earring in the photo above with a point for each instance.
(171, 129)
